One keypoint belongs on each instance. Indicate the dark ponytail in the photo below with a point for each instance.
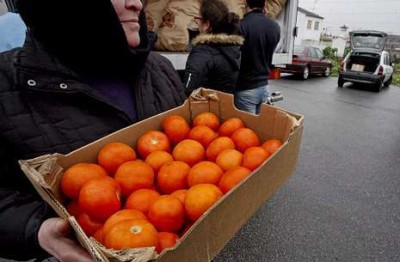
(232, 23)
(221, 20)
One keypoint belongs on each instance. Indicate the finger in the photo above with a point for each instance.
(66, 249)
(62, 227)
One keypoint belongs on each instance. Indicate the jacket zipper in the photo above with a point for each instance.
(187, 83)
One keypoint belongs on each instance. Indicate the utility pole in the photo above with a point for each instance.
(315, 1)
(344, 28)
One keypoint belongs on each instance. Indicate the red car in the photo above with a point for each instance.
(308, 61)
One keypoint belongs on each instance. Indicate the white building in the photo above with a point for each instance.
(310, 32)
(340, 43)
(309, 28)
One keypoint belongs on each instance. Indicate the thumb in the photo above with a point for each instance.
(62, 226)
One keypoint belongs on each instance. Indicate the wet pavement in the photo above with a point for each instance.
(343, 201)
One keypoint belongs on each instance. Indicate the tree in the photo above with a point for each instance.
(330, 53)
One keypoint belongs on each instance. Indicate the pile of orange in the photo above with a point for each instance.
(150, 194)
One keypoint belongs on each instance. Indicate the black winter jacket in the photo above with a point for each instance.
(46, 108)
(261, 36)
(213, 62)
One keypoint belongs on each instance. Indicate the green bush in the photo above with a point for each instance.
(396, 75)
(335, 66)
(331, 54)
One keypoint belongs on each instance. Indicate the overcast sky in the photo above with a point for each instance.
(382, 15)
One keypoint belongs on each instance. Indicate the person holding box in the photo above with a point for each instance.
(84, 71)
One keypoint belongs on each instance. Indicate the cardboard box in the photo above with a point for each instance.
(214, 229)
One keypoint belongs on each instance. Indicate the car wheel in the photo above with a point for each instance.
(378, 86)
(306, 73)
(327, 71)
(388, 83)
(340, 82)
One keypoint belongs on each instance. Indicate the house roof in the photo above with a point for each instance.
(308, 13)
(394, 38)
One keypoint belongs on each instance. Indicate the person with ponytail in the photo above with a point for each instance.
(214, 60)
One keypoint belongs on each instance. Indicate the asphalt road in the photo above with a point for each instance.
(343, 201)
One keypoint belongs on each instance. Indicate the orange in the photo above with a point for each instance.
(112, 155)
(254, 156)
(271, 145)
(98, 235)
(180, 194)
(166, 240)
(73, 208)
(151, 141)
(205, 172)
(217, 146)
(229, 126)
(77, 175)
(157, 159)
(134, 175)
(176, 128)
(123, 214)
(167, 213)
(141, 199)
(229, 158)
(188, 225)
(189, 151)
(88, 224)
(100, 198)
(245, 138)
(207, 119)
(203, 134)
(199, 198)
(232, 177)
(131, 233)
(172, 176)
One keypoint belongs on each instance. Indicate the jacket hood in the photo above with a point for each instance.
(221, 39)
(227, 45)
(85, 35)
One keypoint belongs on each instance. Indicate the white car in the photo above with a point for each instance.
(367, 62)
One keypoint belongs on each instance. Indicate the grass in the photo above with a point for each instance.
(335, 67)
(396, 74)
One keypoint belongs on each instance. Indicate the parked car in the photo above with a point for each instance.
(367, 62)
(308, 61)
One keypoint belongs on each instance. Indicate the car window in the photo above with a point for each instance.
(312, 53)
(319, 53)
(298, 50)
(367, 40)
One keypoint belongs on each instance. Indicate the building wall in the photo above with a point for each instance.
(334, 42)
(339, 43)
(305, 35)
(312, 37)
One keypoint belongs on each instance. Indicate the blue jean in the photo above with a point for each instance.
(251, 100)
